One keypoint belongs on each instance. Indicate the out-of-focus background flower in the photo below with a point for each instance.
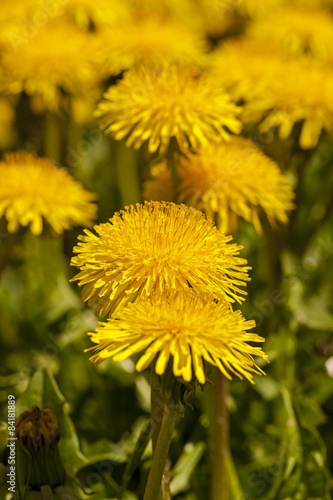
(96, 97)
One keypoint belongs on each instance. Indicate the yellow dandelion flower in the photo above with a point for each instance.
(247, 68)
(303, 95)
(33, 188)
(235, 177)
(149, 38)
(299, 30)
(15, 9)
(59, 57)
(156, 246)
(182, 327)
(217, 17)
(160, 186)
(255, 9)
(277, 90)
(99, 12)
(158, 102)
(172, 10)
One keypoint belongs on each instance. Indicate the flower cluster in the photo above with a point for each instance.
(194, 121)
(166, 277)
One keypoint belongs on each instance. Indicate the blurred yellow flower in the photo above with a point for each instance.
(215, 17)
(235, 177)
(158, 102)
(149, 38)
(15, 10)
(99, 12)
(156, 246)
(299, 30)
(159, 187)
(247, 68)
(303, 94)
(255, 9)
(277, 91)
(182, 327)
(33, 188)
(58, 58)
(183, 11)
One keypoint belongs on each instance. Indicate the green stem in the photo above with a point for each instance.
(174, 172)
(10, 242)
(52, 146)
(156, 418)
(172, 164)
(157, 405)
(153, 488)
(312, 231)
(127, 173)
(220, 484)
(303, 159)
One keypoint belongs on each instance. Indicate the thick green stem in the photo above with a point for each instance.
(156, 418)
(157, 405)
(154, 484)
(220, 483)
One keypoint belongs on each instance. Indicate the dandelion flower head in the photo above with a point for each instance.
(255, 9)
(37, 428)
(247, 69)
(217, 18)
(156, 246)
(277, 90)
(150, 38)
(33, 189)
(59, 57)
(298, 30)
(98, 13)
(190, 330)
(15, 10)
(235, 177)
(157, 102)
(171, 10)
(303, 94)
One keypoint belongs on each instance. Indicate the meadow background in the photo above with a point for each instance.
(281, 438)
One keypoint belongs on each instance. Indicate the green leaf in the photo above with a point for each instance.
(316, 475)
(104, 449)
(136, 457)
(182, 471)
(234, 486)
(267, 387)
(310, 310)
